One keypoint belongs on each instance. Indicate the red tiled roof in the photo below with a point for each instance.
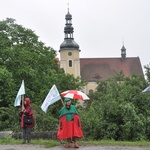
(92, 69)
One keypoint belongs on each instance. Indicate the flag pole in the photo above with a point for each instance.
(62, 101)
(22, 97)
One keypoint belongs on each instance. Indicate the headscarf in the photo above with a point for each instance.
(27, 102)
(67, 99)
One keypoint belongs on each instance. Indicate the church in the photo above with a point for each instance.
(93, 69)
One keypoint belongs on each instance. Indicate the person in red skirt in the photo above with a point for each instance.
(69, 124)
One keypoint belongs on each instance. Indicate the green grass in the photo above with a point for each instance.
(116, 143)
(46, 143)
(52, 143)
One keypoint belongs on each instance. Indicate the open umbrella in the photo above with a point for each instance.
(74, 94)
(146, 89)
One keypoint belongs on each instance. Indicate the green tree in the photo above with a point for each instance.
(24, 57)
(147, 72)
(118, 110)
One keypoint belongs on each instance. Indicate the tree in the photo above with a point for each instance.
(147, 72)
(24, 57)
(118, 110)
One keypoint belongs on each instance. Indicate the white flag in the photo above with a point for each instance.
(20, 92)
(51, 98)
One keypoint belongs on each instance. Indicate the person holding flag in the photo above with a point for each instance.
(26, 121)
(25, 115)
(69, 124)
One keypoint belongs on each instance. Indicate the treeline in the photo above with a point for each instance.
(117, 110)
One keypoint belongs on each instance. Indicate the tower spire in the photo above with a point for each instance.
(69, 42)
(123, 42)
(68, 6)
(123, 52)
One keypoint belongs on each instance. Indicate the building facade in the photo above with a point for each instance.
(93, 69)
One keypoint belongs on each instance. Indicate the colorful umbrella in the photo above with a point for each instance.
(146, 89)
(74, 94)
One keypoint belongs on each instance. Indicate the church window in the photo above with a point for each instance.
(70, 63)
(90, 92)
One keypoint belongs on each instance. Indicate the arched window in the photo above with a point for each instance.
(90, 92)
(70, 63)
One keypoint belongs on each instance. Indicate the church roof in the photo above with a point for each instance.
(69, 44)
(93, 69)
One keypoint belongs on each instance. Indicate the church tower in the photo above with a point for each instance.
(123, 52)
(69, 50)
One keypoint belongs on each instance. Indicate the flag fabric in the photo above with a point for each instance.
(146, 89)
(52, 97)
(20, 93)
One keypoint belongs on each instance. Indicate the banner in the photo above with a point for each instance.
(20, 92)
(52, 97)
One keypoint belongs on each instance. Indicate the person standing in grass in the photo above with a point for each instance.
(26, 121)
(69, 124)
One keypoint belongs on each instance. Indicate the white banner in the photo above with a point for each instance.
(51, 98)
(20, 92)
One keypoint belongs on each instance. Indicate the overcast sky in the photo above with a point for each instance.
(100, 26)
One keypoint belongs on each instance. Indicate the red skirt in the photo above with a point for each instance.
(69, 129)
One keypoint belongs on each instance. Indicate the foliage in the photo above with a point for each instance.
(7, 84)
(118, 110)
(147, 72)
(24, 57)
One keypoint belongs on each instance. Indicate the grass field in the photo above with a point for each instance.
(52, 143)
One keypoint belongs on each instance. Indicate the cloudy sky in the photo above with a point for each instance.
(100, 26)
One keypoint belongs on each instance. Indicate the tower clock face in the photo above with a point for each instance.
(69, 53)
